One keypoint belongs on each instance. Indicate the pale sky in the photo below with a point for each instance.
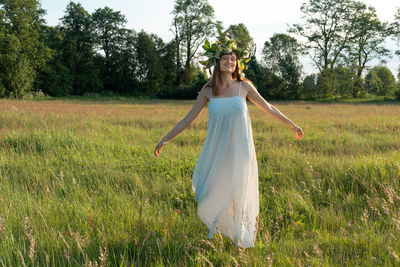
(262, 18)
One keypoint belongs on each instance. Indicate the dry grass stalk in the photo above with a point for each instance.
(270, 261)
(103, 255)
(32, 243)
(235, 261)
(22, 258)
(207, 242)
(78, 241)
(2, 226)
(205, 259)
(318, 252)
(394, 254)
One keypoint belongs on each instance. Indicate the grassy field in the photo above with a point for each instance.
(79, 185)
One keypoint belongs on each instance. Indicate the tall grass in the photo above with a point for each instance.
(79, 185)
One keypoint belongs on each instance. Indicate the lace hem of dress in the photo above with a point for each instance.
(245, 221)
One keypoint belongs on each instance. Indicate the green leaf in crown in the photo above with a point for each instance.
(224, 44)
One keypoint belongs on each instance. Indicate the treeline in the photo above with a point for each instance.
(90, 54)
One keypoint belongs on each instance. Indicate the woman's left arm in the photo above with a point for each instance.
(254, 96)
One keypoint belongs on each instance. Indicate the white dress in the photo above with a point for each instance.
(225, 178)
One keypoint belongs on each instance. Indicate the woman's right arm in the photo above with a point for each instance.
(199, 104)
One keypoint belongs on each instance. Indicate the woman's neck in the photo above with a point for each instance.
(226, 79)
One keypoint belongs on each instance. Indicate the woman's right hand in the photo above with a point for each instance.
(197, 107)
(158, 148)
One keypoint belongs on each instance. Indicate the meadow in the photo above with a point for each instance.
(79, 185)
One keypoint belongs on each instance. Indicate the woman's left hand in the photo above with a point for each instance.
(158, 148)
(298, 131)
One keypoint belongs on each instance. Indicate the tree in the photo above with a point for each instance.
(394, 29)
(373, 83)
(193, 22)
(79, 49)
(326, 84)
(337, 82)
(395, 26)
(310, 87)
(108, 31)
(124, 64)
(149, 72)
(54, 78)
(242, 37)
(397, 92)
(345, 82)
(22, 51)
(327, 29)
(369, 33)
(380, 81)
(168, 59)
(281, 56)
(16, 76)
(268, 84)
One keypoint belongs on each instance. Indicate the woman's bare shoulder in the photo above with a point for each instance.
(248, 85)
(206, 90)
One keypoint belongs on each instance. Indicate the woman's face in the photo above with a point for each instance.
(228, 63)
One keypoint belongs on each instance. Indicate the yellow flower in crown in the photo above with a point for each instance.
(224, 44)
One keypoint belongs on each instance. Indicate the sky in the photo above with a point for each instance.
(262, 18)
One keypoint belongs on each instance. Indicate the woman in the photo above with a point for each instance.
(225, 179)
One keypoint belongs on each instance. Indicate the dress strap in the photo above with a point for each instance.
(240, 85)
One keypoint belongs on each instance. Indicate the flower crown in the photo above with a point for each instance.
(224, 45)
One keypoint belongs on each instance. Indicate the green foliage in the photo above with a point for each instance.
(24, 19)
(310, 89)
(55, 77)
(397, 92)
(394, 28)
(78, 49)
(380, 81)
(185, 92)
(326, 43)
(242, 37)
(109, 36)
(16, 76)
(22, 53)
(150, 72)
(123, 64)
(91, 53)
(107, 26)
(365, 43)
(326, 83)
(281, 56)
(193, 22)
(168, 59)
(351, 36)
(336, 83)
(268, 85)
(373, 83)
(291, 73)
(223, 45)
(345, 82)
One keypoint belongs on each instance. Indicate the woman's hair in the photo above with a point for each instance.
(215, 82)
